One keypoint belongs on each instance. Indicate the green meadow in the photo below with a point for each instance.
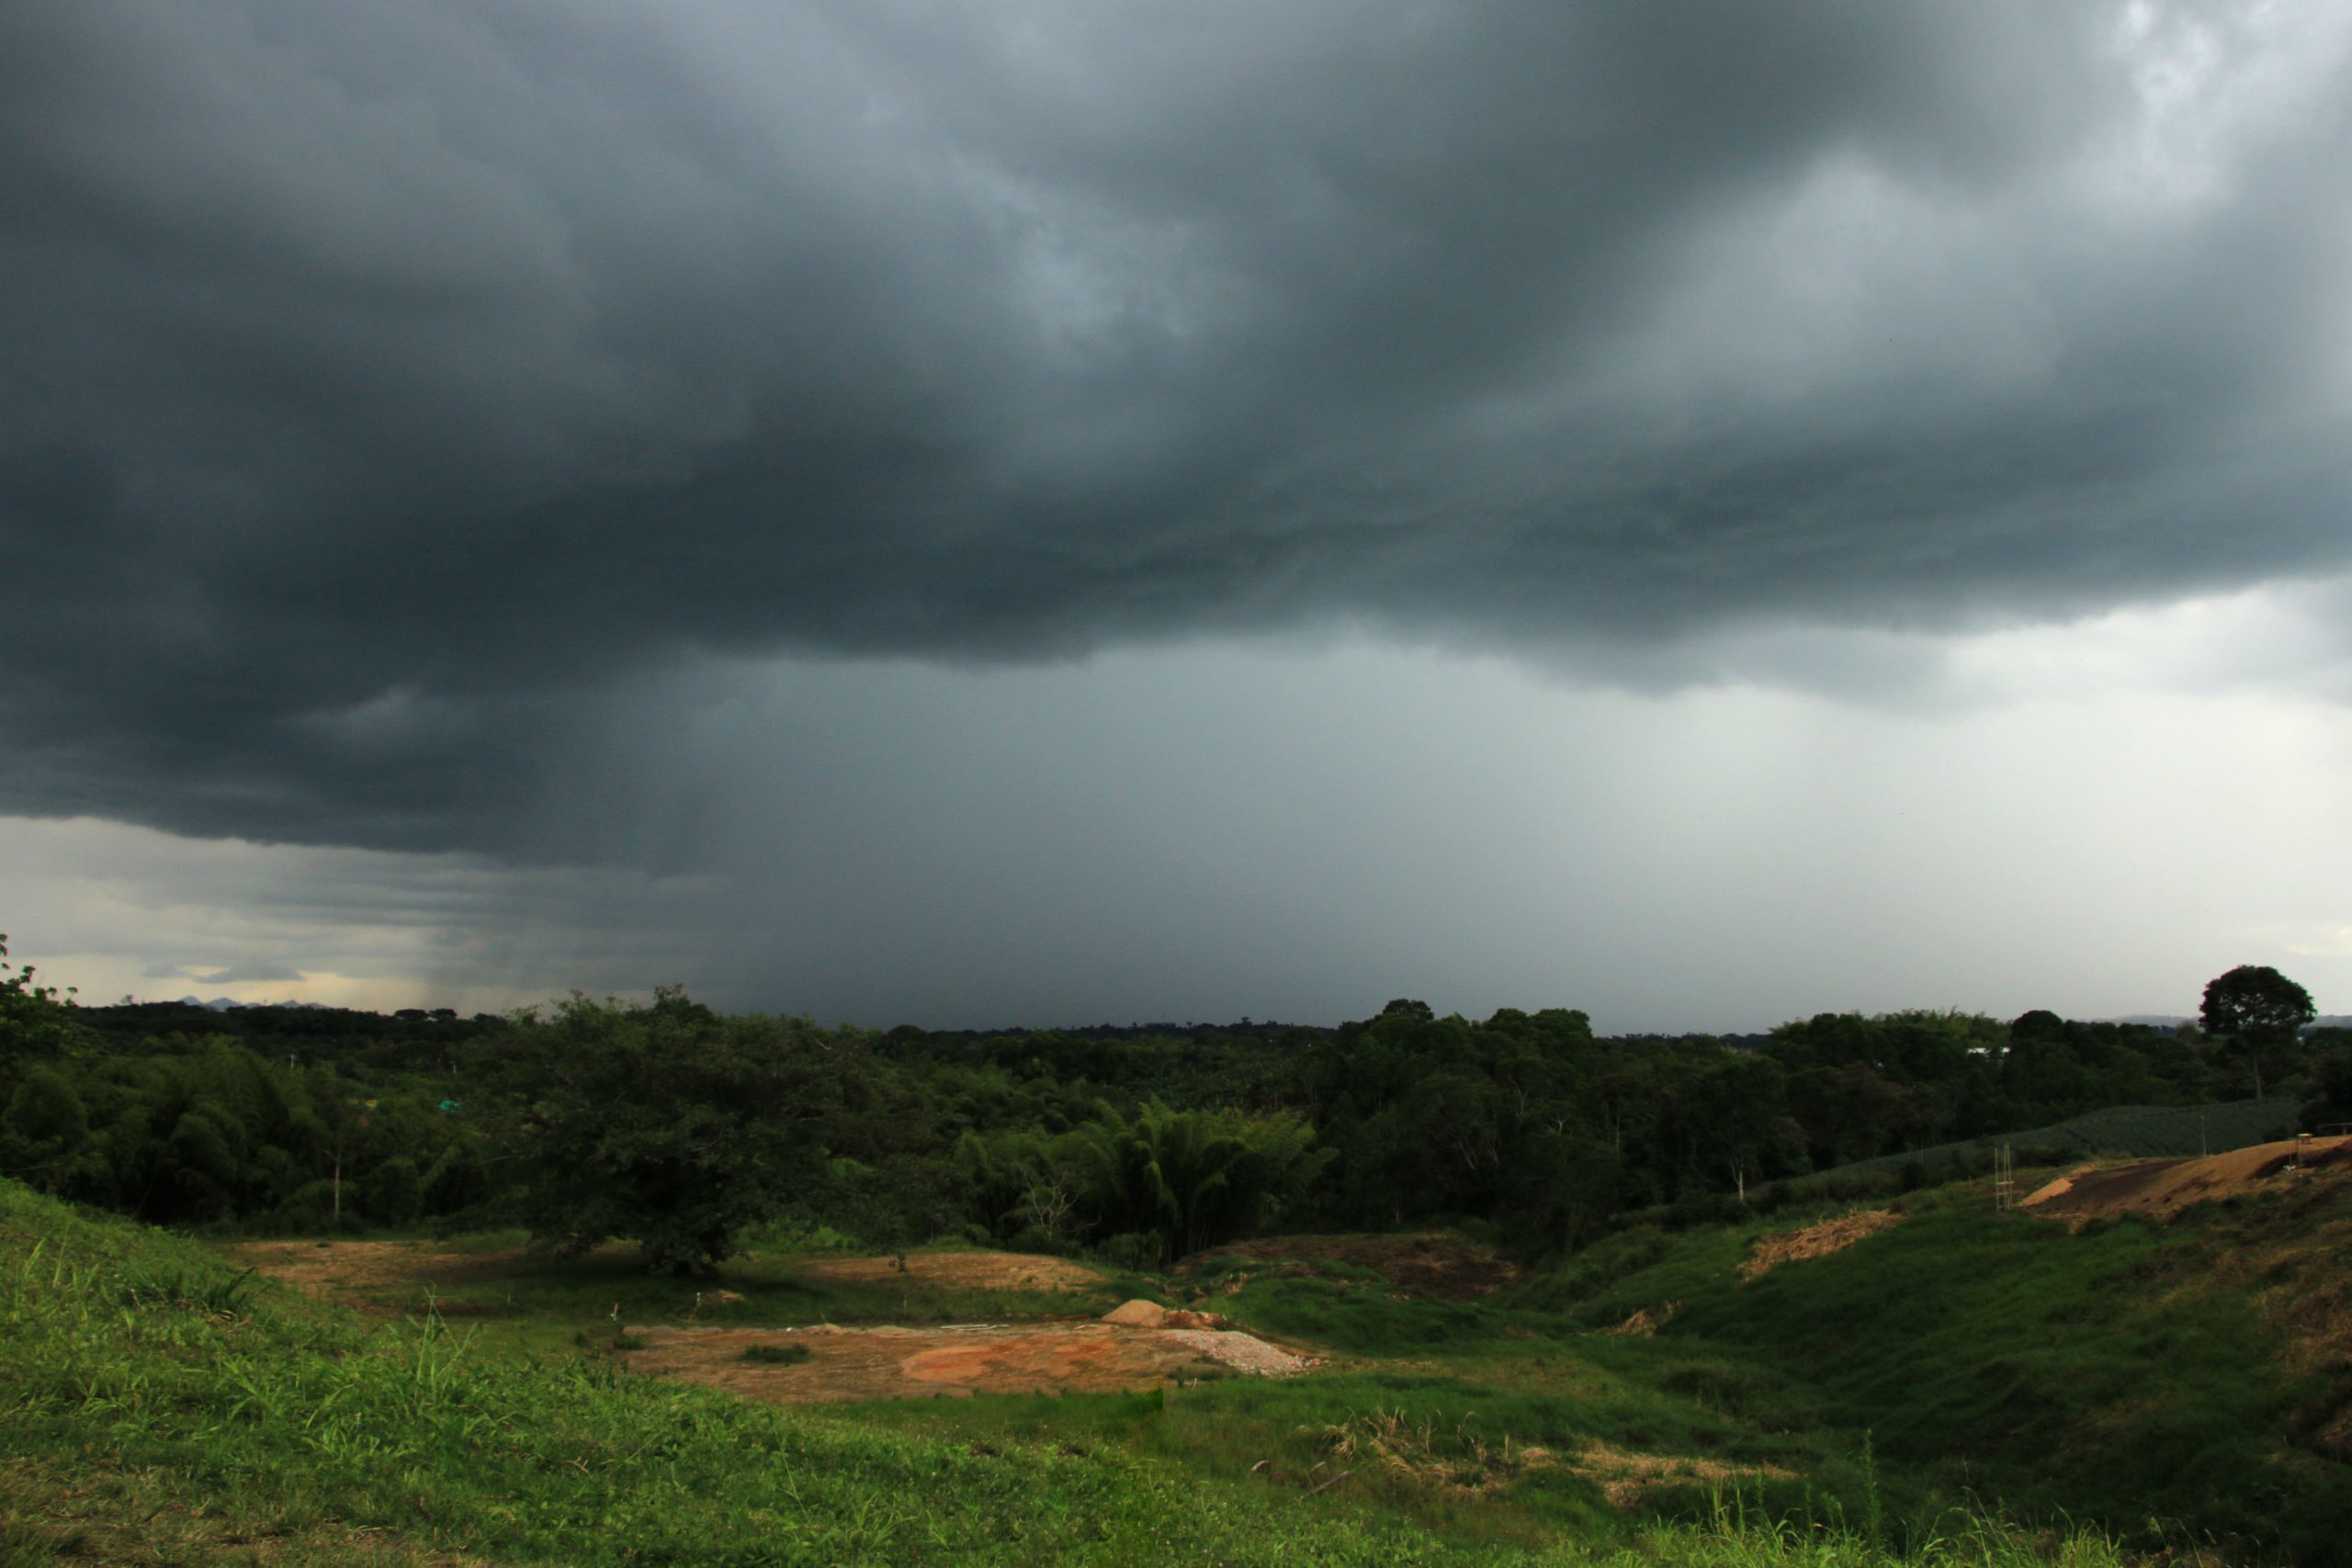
(297, 1288)
(1964, 1387)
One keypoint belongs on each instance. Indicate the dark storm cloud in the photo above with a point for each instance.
(381, 385)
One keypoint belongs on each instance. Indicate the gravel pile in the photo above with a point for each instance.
(1243, 1352)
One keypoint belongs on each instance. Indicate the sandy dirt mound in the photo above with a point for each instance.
(1434, 1264)
(2163, 1188)
(962, 1270)
(950, 1362)
(1151, 1314)
(1242, 1352)
(1816, 1241)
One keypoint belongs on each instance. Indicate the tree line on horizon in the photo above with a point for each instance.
(684, 1129)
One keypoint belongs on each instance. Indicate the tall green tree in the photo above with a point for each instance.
(2260, 1011)
(668, 1125)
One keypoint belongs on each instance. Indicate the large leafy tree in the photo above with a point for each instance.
(2260, 1011)
(668, 1125)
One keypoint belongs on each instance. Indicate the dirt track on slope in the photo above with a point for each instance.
(2163, 1188)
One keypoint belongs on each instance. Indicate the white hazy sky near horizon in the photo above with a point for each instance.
(2092, 817)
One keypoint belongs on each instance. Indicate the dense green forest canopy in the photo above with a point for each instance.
(680, 1128)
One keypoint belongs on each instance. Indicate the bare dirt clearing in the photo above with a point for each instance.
(954, 1362)
(1140, 1345)
(1448, 1267)
(348, 1272)
(1769, 1252)
(2163, 1188)
(959, 1270)
(364, 1273)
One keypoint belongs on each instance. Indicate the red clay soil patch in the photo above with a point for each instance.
(1769, 1252)
(2163, 1188)
(961, 1270)
(951, 1363)
(1433, 1264)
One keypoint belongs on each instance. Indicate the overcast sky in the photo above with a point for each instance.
(1060, 511)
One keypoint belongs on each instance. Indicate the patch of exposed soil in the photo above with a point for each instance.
(2289, 1252)
(1436, 1263)
(1646, 1321)
(2311, 1303)
(1460, 1461)
(339, 1270)
(1624, 1476)
(960, 1270)
(1816, 1241)
(1422, 1450)
(951, 1362)
(2163, 1188)
(1242, 1352)
(2286, 1251)
(1152, 1314)
(353, 1271)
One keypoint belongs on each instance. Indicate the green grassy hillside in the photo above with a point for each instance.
(2190, 1381)
(156, 1407)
